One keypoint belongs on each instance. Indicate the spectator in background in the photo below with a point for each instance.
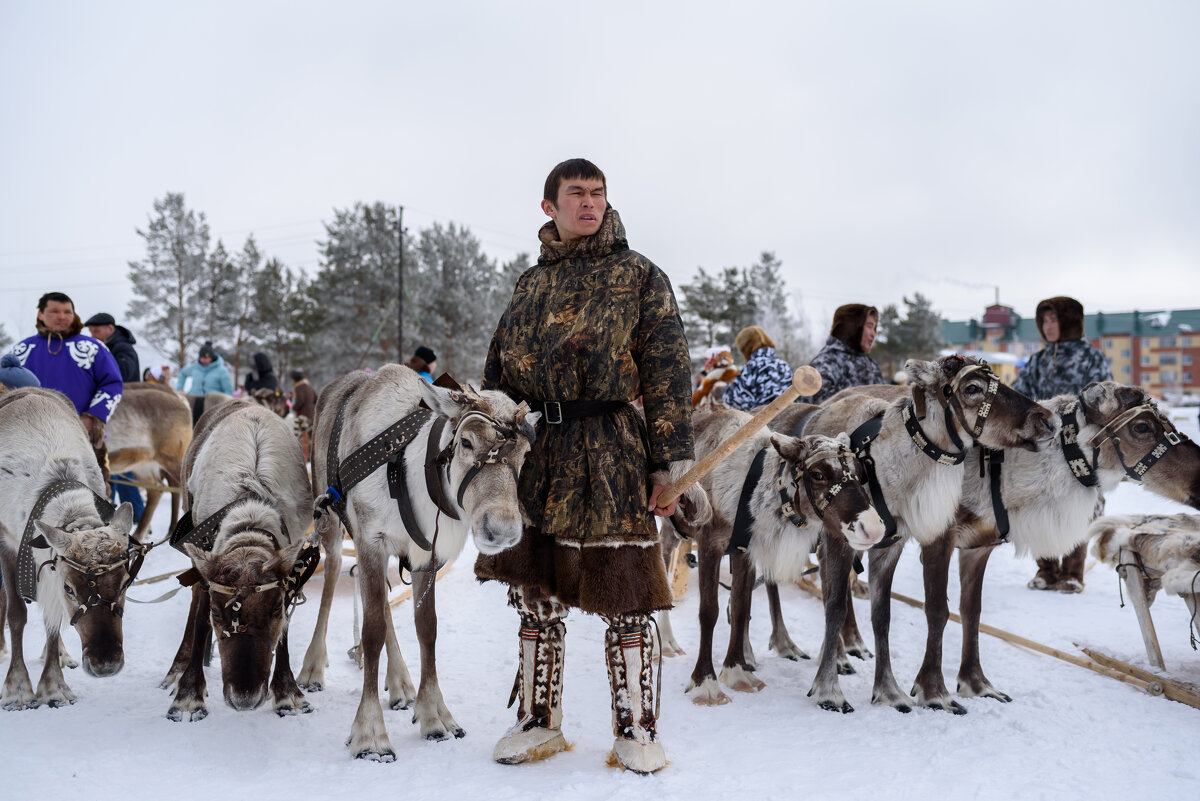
(424, 361)
(304, 397)
(207, 374)
(763, 378)
(1065, 366)
(843, 361)
(261, 376)
(120, 343)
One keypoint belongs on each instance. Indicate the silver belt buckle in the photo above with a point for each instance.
(558, 407)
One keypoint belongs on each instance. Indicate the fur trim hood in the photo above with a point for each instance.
(76, 328)
(1070, 317)
(848, 324)
(750, 339)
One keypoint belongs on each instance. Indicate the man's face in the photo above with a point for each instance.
(580, 208)
(57, 316)
(101, 332)
(868, 336)
(1050, 327)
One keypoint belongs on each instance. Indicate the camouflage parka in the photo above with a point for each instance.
(840, 367)
(1062, 368)
(593, 320)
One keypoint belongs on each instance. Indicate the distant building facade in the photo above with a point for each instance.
(1158, 351)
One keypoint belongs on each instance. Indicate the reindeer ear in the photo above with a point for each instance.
(446, 402)
(122, 519)
(1106, 397)
(55, 538)
(790, 448)
(843, 439)
(927, 374)
(202, 560)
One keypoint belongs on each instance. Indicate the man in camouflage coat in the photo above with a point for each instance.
(1065, 366)
(843, 361)
(589, 329)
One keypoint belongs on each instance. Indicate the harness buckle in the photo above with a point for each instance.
(557, 407)
(1172, 437)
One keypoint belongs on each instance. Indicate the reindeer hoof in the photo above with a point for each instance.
(312, 687)
(845, 668)
(833, 706)
(386, 756)
(860, 653)
(199, 714)
(707, 693)
(403, 703)
(59, 703)
(951, 706)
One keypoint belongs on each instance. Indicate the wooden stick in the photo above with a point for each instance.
(1016, 639)
(805, 381)
(1171, 688)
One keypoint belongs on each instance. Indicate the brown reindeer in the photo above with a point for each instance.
(148, 433)
(918, 455)
(800, 489)
(244, 472)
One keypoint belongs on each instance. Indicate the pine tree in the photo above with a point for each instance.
(239, 316)
(284, 316)
(165, 282)
(215, 296)
(5, 339)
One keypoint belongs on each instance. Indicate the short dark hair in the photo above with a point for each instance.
(57, 297)
(565, 171)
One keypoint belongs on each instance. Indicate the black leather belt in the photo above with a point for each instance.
(554, 412)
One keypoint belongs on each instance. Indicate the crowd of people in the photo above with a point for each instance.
(591, 326)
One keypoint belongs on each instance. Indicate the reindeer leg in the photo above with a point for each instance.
(3, 615)
(286, 693)
(880, 575)
(666, 645)
(184, 655)
(703, 688)
(152, 499)
(929, 689)
(368, 734)
(851, 638)
(18, 690)
(737, 674)
(64, 657)
(826, 690)
(430, 713)
(401, 693)
(669, 645)
(192, 687)
(52, 688)
(312, 671)
(781, 642)
(971, 681)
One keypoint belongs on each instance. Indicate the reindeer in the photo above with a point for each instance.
(249, 498)
(783, 493)
(917, 453)
(450, 470)
(1048, 497)
(61, 542)
(148, 433)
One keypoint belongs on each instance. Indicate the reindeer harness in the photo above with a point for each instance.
(27, 571)
(1170, 438)
(388, 447)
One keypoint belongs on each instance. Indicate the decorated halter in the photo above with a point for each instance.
(989, 396)
(1170, 438)
(802, 475)
(1069, 437)
(290, 588)
(914, 411)
(131, 562)
(499, 454)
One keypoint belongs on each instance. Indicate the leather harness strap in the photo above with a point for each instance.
(26, 569)
(739, 541)
(990, 461)
(1069, 437)
(860, 443)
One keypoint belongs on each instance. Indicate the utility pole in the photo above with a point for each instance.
(400, 299)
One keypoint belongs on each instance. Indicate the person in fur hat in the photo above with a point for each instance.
(843, 361)
(764, 377)
(590, 328)
(75, 364)
(1065, 366)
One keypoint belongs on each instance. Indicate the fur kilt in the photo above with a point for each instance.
(605, 578)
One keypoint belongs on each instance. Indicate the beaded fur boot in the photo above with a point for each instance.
(537, 734)
(629, 648)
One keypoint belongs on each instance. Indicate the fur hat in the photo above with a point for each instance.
(14, 376)
(1070, 317)
(848, 323)
(750, 339)
(425, 354)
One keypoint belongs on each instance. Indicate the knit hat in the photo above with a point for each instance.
(750, 339)
(207, 350)
(14, 376)
(426, 354)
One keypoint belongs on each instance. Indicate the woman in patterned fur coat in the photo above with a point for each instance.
(764, 377)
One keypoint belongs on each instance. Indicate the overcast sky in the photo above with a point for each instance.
(878, 148)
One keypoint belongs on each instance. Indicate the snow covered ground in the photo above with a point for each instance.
(1069, 733)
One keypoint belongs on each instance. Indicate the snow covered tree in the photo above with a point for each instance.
(215, 297)
(5, 339)
(165, 282)
(284, 316)
(239, 317)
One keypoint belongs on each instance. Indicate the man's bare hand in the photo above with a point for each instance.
(661, 511)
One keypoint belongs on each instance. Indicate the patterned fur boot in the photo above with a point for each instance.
(628, 648)
(537, 734)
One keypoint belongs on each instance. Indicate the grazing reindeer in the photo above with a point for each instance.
(249, 499)
(1048, 497)
(781, 493)
(450, 470)
(148, 433)
(916, 445)
(61, 543)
